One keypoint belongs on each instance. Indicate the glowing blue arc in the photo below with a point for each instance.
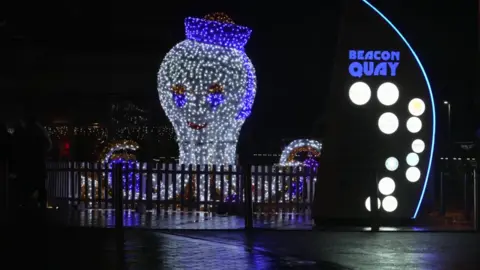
(434, 124)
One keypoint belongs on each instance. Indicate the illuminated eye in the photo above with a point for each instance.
(215, 89)
(179, 96)
(215, 95)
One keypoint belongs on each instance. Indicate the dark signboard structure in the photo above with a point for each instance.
(380, 134)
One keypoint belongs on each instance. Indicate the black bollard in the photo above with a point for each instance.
(466, 198)
(476, 202)
(118, 195)
(374, 204)
(442, 193)
(247, 179)
(5, 188)
(118, 202)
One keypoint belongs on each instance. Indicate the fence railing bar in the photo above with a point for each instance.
(176, 187)
(198, 181)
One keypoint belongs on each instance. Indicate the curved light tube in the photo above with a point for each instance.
(431, 99)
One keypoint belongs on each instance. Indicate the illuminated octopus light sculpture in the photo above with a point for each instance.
(120, 152)
(207, 86)
(288, 160)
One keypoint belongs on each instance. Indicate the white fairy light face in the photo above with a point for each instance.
(202, 88)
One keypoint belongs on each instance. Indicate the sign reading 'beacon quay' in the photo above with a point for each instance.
(373, 63)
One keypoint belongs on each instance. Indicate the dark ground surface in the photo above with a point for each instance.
(210, 221)
(88, 248)
(363, 250)
(52, 246)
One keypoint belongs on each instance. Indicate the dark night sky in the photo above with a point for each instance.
(75, 47)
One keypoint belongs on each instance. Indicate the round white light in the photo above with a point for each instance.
(388, 93)
(413, 174)
(367, 203)
(414, 124)
(391, 164)
(389, 204)
(418, 146)
(388, 123)
(416, 107)
(359, 93)
(386, 186)
(413, 159)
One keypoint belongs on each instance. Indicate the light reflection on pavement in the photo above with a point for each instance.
(363, 250)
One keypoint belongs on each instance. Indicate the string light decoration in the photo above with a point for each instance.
(122, 152)
(127, 113)
(287, 159)
(312, 147)
(207, 86)
(279, 191)
(287, 163)
(115, 147)
(310, 162)
(219, 17)
(137, 132)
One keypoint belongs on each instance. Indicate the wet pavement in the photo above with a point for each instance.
(185, 221)
(58, 247)
(83, 248)
(91, 248)
(362, 250)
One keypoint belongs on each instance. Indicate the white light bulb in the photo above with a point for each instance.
(359, 93)
(389, 204)
(388, 93)
(391, 164)
(413, 174)
(414, 124)
(412, 159)
(416, 107)
(418, 146)
(386, 186)
(388, 123)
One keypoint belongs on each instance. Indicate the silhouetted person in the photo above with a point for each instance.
(5, 160)
(31, 145)
(16, 186)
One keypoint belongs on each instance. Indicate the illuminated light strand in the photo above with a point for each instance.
(116, 153)
(219, 17)
(300, 145)
(217, 33)
(206, 135)
(427, 81)
(101, 133)
(278, 191)
(219, 83)
(286, 161)
(251, 90)
(125, 145)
